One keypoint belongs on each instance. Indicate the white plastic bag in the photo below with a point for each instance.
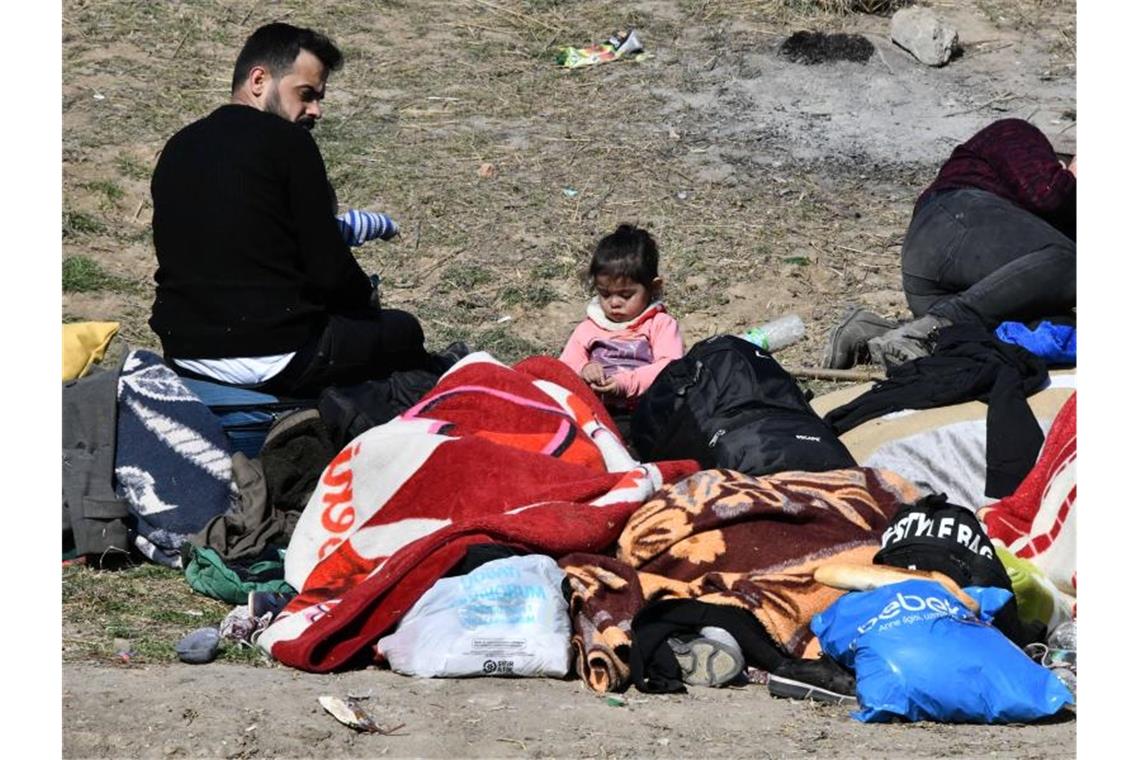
(507, 617)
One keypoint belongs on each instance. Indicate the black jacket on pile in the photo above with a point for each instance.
(968, 364)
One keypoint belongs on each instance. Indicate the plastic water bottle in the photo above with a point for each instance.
(776, 334)
(1064, 637)
(1061, 657)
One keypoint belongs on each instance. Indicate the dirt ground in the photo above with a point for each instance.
(232, 711)
(771, 186)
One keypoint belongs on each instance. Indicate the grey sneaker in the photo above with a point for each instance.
(907, 342)
(847, 341)
(708, 661)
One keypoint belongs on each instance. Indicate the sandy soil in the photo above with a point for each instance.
(239, 712)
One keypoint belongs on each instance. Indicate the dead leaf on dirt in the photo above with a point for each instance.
(353, 715)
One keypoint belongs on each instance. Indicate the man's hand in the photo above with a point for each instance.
(1072, 167)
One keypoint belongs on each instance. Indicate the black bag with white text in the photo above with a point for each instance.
(934, 535)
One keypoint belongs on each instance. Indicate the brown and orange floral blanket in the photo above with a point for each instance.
(722, 537)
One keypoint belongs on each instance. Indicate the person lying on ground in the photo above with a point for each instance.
(992, 239)
(256, 285)
(627, 337)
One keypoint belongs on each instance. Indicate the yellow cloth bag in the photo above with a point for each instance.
(85, 343)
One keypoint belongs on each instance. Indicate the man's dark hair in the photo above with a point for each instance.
(276, 46)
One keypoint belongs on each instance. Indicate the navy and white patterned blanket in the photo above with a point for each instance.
(172, 460)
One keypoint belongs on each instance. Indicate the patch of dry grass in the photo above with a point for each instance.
(408, 128)
(431, 91)
(814, 12)
(852, 6)
(144, 610)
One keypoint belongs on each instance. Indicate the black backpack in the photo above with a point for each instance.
(933, 534)
(728, 403)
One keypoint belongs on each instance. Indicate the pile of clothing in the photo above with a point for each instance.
(497, 525)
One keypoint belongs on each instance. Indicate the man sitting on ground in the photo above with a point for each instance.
(256, 285)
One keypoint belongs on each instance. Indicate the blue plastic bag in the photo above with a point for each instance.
(1056, 344)
(918, 653)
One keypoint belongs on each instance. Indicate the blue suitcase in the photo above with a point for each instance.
(246, 415)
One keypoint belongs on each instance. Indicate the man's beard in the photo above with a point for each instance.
(273, 106)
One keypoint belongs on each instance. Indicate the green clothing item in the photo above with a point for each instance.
(208, 574)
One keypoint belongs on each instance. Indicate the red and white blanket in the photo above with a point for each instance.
(523, 456)
(1038, 521)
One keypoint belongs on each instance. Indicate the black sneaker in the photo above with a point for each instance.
(823, 680)
(847, 341)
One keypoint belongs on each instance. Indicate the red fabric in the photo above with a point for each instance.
(1038, 521)
(489, 455)
(1012, 517)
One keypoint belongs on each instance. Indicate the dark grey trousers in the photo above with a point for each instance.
(972, 256)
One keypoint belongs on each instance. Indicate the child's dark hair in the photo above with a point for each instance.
(628, 252)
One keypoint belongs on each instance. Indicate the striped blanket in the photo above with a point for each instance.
(521, 456)
(722, 537)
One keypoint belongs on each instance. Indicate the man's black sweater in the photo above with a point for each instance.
(250, 258)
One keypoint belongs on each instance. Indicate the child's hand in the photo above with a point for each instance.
(606, 388)
(593, 374)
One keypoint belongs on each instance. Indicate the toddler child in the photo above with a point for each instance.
(626, 338)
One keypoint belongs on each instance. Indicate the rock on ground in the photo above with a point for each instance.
(924, 35)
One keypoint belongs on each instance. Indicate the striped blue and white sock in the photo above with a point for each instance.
(358, 227)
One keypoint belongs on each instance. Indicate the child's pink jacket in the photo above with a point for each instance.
(652, 326)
